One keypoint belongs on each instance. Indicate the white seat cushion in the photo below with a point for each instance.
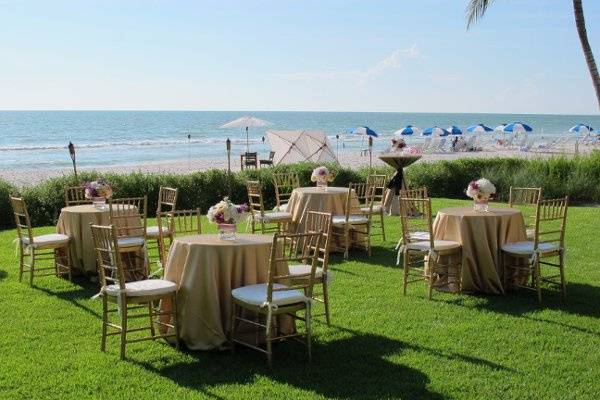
(257, 295)
(419, 236)
(526, 248)
(438, 245)
(277, 216)
(152, 231)
(376, 209)
(352, 220)
(530, 233)
(147, 287)
(51, 240)
(131, 241)
(281, 208)
(303, 269)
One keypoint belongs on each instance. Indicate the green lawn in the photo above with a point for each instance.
(381, 344)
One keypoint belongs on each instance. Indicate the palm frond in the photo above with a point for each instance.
(476, 9)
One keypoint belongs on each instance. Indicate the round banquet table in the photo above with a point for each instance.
(206, 269)
(399, 161)
(481, 236)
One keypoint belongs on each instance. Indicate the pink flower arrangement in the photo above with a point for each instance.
(99, 188)
(321, 174)
(225, 212)
(481, 189)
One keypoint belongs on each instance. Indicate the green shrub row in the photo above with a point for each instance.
(579, 177)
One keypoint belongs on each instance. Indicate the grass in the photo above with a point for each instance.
(382, 345)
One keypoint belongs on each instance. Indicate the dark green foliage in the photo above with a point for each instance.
(579, 177)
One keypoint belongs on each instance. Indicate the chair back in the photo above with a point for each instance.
(106, 248)
(418, 193)
(550, 222)
(255, 198)
(167, 199)
(178, 222)
(251, 158)
(415, 217)
(128, 215)
(363, 193)
(525, 199)
(75, 196)
(377, 184)
(284, 186)
(284, 251)
(320, 222)
(21, 219)
(271, 155)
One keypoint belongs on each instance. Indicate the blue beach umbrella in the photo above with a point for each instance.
(454, 130)
(362, 130)
(407, 130)
(479, 128)
(517, 127)
(581, 128)
(435, 130)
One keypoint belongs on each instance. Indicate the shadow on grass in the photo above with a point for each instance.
(354, 368)
(84, 291)
(3, 274)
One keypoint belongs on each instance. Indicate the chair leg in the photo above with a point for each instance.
(123, 325)
(176, 319)
(563, 283)
(104, 323)
(538, 279)
(21, 262)
(405, 257)
(151, 316)
(233, 325)
(432, 268)
(31, 266)
(268, 338)
(308, 318)
(326, 300)
(382, 224)
(346, 242)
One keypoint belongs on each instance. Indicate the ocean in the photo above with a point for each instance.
(39, 139)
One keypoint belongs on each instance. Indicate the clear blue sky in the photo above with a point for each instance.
(369, 55)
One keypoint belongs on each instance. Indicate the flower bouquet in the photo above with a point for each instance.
(321, 176)
(98, 191)
(481, 191)
(226, 215)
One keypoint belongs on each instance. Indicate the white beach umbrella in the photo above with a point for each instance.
(246, 122)
(500, 128)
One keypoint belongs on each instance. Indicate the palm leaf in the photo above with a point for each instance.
(476, 9)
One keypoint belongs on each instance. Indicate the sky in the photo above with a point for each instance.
(524, 56)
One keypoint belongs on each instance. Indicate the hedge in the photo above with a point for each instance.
(579, 177)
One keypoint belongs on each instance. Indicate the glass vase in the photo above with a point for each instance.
(481, 205)
(99, 202)
(227, 232)
(322, 185)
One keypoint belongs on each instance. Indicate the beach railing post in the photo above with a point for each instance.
(73, 159)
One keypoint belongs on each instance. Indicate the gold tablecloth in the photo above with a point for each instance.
(206, 269)
(74, 221)
(481, 236)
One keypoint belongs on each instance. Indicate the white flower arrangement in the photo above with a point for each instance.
(321, 174)
(225, 212)
(481, 190)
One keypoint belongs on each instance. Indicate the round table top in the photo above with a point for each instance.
(469, 212)
(243, 239)
(316, 190)
(84, 209)
(399, 159)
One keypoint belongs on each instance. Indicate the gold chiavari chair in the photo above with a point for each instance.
(259, 216)
(177, 223)
(278, 296)
(525, 199)
(548, 243)
(167, 201)
(75, 196)
(418, 193)
(318, 222)
(284, 186)
(355, 222)
(128, 216)
(415, 251)
(134, 300)
(376, 187)
(41, 248)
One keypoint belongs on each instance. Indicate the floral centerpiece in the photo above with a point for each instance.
(397, 144)
(226, 215)
(481, 191)
(321, 176)
(98, 191)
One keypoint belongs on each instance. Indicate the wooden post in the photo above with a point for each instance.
(73, 159)
(228, 146)
(370, 151)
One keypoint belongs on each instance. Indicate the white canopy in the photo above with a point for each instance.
(298, 146)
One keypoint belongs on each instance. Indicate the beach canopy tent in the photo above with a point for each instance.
(517, 127)
(479, 128)
(581, 128)
(298, 146)
(246, 122)
(407, 130)
(454, 130)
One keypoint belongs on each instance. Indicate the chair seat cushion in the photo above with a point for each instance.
(147, 287)
(526, 248)
(338, 220)
(277, 216)
(256, 295)
(131, 241)
(281, 208)
(530, 233)
(51, 240)
(419, 236)
(438, 245)
(376, 209)
(152, 231)
(303, 269)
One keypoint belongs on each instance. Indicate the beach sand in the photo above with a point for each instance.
(28, 177)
